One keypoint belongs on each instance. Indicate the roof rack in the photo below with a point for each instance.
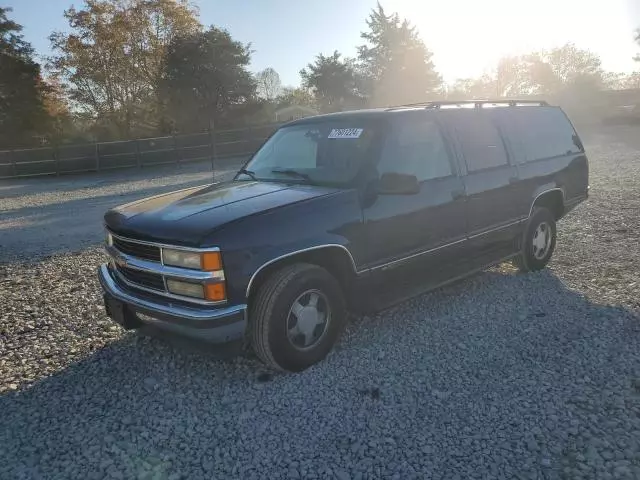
(475, 103)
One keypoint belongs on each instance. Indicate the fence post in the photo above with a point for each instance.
(56, 157)
(13, 163)
(97, 157)
(138, 160)
(248, 139)
(212, 140)
(177, 152)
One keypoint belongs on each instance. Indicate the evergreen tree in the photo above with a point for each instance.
(396, 65)
(23, 117)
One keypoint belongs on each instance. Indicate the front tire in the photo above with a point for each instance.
(538, 242)
(296, 317)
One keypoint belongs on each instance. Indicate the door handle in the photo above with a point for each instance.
(513, 180)
(457, 194)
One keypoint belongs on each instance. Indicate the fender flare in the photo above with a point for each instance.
(297, 252)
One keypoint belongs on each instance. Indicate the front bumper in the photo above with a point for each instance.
(221, 324)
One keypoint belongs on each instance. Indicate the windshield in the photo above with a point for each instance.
(321, 153)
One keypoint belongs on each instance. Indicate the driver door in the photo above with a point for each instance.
(417, 233)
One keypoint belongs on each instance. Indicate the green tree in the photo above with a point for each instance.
(23, 116)
(207, 80)
(296, 96)
(333, 82)
(113, 59)
(395, 63)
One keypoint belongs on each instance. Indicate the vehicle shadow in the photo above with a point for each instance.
(143, 402)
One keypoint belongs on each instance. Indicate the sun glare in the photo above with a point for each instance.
(468, 37)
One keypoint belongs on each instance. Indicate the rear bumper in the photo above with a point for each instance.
(574, 202)
(218, 325)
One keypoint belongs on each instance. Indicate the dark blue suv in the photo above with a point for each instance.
(350, 211)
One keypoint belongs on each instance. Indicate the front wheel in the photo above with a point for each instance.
(539, 241)
(296, 317)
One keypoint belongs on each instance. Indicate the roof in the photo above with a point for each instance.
(376, 113)
(368, 114)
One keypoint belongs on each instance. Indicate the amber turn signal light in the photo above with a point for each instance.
(215, 292)
(211, 261)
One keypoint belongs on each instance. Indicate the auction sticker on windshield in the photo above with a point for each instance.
(346, 133)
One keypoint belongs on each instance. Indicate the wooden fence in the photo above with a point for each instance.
(140, 153)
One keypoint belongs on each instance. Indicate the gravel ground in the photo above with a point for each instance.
(50, 215)
(499, 376)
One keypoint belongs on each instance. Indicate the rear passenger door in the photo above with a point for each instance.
(490, 181)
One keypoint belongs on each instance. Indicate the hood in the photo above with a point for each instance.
(184, 217)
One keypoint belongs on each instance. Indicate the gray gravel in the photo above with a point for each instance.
(49, 215)
(499, 376)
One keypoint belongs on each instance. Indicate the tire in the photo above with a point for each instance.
(278, 335)
(532, 256)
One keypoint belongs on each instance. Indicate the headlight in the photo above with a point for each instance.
(185, 288)
(208, 261)
(108, 239)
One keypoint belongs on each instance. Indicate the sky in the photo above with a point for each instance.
(467, 37)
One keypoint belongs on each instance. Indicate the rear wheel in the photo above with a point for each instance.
(296, 317)
(539, 241)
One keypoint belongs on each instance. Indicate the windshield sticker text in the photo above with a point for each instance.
(346, 133)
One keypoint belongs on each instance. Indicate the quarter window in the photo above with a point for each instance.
(417, 148)
(544, 132)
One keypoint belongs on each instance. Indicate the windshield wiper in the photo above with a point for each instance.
(292, 173)
(248, 173)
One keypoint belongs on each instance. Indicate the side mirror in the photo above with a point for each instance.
(398, 184)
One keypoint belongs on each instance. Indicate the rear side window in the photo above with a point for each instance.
(540, 132)
(479, 140)
(417, 148)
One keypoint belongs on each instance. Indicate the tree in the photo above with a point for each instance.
(395, 63)
(296, 96)
(333, 82)
(112, 61)
(268, 84)
(23, 116)
(472, 88)
(207, 80)
(562, 70)
(632, 81)
(571, 68)
(61, 121)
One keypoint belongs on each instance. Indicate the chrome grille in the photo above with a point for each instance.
(139, 265)
(135, 249)
(144, 279)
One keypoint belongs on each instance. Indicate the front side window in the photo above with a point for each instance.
(330, 153)
(417, 148)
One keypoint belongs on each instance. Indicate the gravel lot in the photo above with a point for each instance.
(49, 215)
(499, 376)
